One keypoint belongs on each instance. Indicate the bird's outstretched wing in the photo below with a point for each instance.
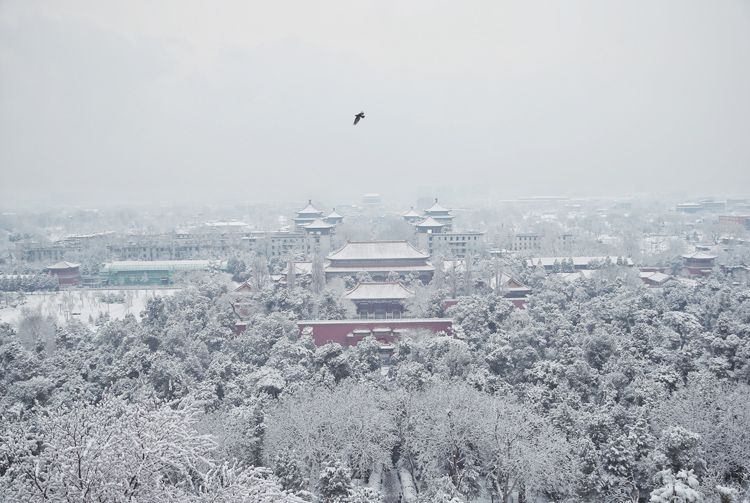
(356, 119)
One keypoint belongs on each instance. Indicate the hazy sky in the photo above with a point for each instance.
(146, 100)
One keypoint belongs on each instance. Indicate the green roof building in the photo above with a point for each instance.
(152, 272)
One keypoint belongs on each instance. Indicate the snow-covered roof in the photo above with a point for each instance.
(436, 208)
(62, 265)
(389, 290)
(380, 269)
(318, 224)
(300, 268)
(309, 209)
(333, 215)
(569, 277)
(228, 223)
(411, 214)
(160, 265)
(655, 276)
(577, 261)
(377, 250)
(245, 286)
(699, 255)
(507, 282)
(430, 222)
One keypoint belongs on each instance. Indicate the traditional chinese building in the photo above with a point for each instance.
(509, 287)
(68, 273)
(319, 227)
(378, 259)
(699, 263)
(307, 215)
(412, 216)
(654, 279)
(379, 300)
(429, 226)
(350, 332)
(333, 218)
(441, 214)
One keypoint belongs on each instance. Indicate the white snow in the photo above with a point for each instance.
(81, 304)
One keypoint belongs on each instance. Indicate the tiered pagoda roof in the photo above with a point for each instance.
(318, 225)
(437, 209)
(309, 210)
(334, 218)
(430, 223)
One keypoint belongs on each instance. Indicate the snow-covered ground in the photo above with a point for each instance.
(85, 305)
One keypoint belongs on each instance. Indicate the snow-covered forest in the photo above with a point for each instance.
(601, 390)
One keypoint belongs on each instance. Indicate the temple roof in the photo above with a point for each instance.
(377, 250)
(62, 265)
(655, 276)
(507, 282)
(436, 208)
(333, 215)
(245, 286)
(699, 255)
(385, 269)
(390, 290)
(309, 209)
(318, 224)
(430, 222)
(300, 268)
(411, 214)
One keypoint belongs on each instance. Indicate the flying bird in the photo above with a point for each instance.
(358, 117)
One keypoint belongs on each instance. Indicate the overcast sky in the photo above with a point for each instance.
(180, 101)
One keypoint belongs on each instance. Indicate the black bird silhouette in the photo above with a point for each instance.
(358, 117)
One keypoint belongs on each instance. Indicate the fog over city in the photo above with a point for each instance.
(188, 101)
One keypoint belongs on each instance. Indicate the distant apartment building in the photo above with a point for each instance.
(451, 244)
(533, 242)
(731, 220)
(372, 200)
(278, 245)
(707, 205)
(173, 246)
(31, 251)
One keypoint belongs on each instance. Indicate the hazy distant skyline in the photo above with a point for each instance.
(187, 101)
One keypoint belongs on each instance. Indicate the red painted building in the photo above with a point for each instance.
(350, 332)
(68, 273)
(699, 263)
